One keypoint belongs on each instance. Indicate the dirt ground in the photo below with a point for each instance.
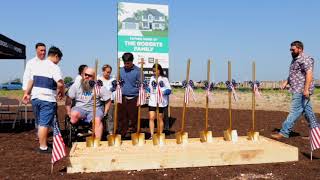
(19, 159)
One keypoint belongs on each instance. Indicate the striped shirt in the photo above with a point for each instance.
(45, 76)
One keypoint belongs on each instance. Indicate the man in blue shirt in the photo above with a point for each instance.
(128, 110)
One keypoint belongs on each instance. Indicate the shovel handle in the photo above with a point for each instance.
(94, 100)
(139, 108)
(157, 109)
(207, 95)
(115, 118)
(229, 95)
(253, 95)
(184, 103)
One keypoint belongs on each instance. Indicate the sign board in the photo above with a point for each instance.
(143, 31)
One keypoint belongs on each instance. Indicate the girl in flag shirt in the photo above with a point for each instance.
(165, 91)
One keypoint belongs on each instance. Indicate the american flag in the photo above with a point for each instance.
(118, 97)
(159, 95)
(187, 92)
(98, 89)
(256, 90)
(59, 148)
(234, 94)
(315, 138)
(142, 96)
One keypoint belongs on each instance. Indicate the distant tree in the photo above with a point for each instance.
(68, 79)
(18, 80)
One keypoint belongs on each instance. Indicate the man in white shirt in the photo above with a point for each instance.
(40, 56)
(46, 84)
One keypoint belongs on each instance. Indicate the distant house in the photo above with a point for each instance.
(150, 19)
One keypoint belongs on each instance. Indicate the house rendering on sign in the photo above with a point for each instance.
(148, 20)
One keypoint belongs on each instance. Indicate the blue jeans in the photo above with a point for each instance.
(299, 105)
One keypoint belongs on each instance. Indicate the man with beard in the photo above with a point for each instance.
(301, 87)
(83, 96)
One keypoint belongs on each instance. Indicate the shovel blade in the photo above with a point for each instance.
(92, 142)
(230, 135)
(138, 139)
(159, 139)
(182, 137)
(206, 136)
(114, 140)
(254, 136)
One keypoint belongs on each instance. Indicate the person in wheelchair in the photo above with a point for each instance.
(83, 97)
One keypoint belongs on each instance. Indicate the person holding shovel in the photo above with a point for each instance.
(165, 89)
(301, 86)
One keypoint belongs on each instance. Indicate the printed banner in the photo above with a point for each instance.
(143, 31)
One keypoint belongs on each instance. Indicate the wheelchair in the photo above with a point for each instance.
(76, 132)
(79, 131)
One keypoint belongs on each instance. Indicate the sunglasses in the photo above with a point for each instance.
(89, 75)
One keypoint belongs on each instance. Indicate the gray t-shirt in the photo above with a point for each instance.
(84, 100)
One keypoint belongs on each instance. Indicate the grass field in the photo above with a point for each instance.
(14, 94)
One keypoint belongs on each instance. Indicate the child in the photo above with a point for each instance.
(165, 88)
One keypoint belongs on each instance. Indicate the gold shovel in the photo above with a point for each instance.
(206, 136)
(139, 138)
(181, 136)
(229, 134)
(93, 141)
(253, 135)
(115, 139)
(159, 137)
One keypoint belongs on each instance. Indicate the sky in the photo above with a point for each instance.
(241, 31)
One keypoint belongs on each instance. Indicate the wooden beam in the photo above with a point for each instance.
(172, 155)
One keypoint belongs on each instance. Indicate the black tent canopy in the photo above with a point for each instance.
(10, 49)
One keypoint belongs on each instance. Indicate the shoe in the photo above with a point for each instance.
(47, 151)
(277, 136)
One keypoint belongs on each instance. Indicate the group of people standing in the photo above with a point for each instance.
(81, 93)
(43, 84)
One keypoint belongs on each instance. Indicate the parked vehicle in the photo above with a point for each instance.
(176, 84)
(11, 86)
